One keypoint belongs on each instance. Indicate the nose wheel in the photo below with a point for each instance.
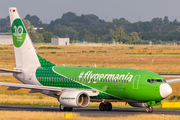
(107, 106)
(149, 109)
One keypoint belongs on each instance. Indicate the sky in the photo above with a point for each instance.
(131, 10)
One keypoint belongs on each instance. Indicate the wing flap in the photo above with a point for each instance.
(35, 90)
(13, 88)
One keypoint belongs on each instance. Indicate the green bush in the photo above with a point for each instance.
(91, 51)
(131, 47)
(83, 51)
(49, 47)
(53, 52)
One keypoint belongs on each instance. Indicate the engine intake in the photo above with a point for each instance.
(74, 99)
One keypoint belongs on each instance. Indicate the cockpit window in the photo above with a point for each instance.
(163, 80)
(158, 80)
(155, 80)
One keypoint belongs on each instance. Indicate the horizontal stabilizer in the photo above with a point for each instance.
(9, 71)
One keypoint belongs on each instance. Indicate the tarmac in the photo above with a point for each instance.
(91, 111)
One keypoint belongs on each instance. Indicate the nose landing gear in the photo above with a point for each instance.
(149, 109)
(105, 106)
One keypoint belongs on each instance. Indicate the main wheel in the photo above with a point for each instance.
(62, 108)
(108, 106)
(102, 107)
(69, 108)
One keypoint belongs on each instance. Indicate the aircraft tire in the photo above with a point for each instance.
(62, 108)
(69, 108)
(108, 106)
(102, 107)
(149, 109)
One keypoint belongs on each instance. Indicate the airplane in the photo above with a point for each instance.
(78, 86)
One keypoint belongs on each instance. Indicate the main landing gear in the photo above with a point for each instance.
(105, 106)
(62, 108)
(149, 109)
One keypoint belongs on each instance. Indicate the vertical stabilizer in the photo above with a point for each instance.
(25, 53)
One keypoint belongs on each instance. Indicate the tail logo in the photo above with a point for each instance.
(18, 32)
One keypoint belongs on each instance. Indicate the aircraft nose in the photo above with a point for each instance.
(165, 90)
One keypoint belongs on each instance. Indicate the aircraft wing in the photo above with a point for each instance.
(172, 81)
(170, 75)
(39, 88)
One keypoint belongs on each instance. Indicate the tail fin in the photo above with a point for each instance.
(25, 53)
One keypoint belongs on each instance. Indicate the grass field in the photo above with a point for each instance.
(164, 59)
(159, 59)
(26, 115)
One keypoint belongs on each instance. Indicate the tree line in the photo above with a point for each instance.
(90, 28)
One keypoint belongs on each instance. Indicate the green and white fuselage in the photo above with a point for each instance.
(73, 85)
(113, 83)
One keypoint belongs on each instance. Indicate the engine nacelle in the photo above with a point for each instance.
(137, 104)
(74, 99)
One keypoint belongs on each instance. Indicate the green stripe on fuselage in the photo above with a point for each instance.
(44, 62)
(47, 77)
(144, 91)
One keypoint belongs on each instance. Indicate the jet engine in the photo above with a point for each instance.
(137, 104)
(74, 99)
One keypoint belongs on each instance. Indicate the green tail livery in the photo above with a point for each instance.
(77, 86)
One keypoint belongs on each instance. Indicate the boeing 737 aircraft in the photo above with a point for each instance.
(77, 86)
